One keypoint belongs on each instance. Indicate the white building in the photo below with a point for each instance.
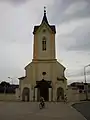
(44, 75)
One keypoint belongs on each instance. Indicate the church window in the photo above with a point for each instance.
(44, 44)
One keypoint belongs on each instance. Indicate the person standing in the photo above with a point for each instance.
(65, 98)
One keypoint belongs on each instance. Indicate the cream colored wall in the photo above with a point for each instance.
(34, 73)
(22, 84)
(44, 67)
(60, 70)
(82, 96)
(52, 68)
(50, 43)
(29, 73)
(17, 93)
(60, 73)
(74, 95)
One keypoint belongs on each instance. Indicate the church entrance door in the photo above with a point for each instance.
(44, 92)
(43, 89)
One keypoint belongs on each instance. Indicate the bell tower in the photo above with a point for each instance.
(44, 40)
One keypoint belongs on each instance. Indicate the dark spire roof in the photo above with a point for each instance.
(45, 17)
(46, 21)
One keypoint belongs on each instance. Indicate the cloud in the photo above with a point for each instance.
(69, 27)
(63, 6)
(14, 57)
(78, 73)
(76, 7)
(74, 35)
(82, 37)
(41, 4)
(15, 2)
(72, 38)
(17, 20)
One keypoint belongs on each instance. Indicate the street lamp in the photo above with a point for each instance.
(86, 89)
(11, 79)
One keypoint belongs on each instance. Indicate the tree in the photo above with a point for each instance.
(5, 84)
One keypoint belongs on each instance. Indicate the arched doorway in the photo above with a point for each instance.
(25, 94)
(60, 94)
(43, 89)
(44, 92)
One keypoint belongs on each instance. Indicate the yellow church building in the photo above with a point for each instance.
(44, 76)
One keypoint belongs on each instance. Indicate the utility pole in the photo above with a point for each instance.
(11, 80)
(86, 85)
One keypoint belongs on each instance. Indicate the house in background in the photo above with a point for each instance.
(79, 86)
(76, 91)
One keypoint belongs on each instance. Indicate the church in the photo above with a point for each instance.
(44, 76)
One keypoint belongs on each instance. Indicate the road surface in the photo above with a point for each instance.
(83, 108)
(31, 111)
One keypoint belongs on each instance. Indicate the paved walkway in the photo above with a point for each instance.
(30, 111)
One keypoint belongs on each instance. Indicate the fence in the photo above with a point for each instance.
(75, 95)
(8, 97)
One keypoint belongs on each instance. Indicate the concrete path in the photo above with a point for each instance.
(30, 111)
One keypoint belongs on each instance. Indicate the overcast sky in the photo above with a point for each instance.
(72, 20)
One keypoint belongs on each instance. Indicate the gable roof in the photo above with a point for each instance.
(21, 78)
(51, 26)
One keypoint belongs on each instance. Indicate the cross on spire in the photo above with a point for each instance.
(44, 10)
(44, 20)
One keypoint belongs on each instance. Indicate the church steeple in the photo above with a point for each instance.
(44, 40)
(45, 17)
(52, 27)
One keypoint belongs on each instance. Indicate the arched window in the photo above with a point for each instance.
(44, 44)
